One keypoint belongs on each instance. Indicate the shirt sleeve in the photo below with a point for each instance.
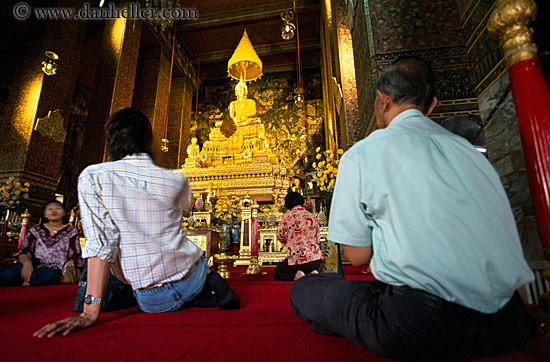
(348, 221)
(75, 254)
(185, 197)
(27, 246)
(281, 231)
(317, 227)
(102, 235)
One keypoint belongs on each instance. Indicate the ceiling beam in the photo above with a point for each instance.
(245, 15)
(261, 50)
(268, 70)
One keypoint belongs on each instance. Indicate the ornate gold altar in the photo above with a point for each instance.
(260, 178)
(238, 162)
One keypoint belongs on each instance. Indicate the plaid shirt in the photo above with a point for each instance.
(131, 215)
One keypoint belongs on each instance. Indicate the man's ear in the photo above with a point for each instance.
(385, 99)
(431, 107)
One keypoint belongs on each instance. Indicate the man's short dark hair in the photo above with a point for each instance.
(128, 131)
(409, 79)
(293, 199)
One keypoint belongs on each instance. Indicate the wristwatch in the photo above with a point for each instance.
(90, 299)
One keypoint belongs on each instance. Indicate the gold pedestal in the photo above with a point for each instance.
(254, 266)
(222, 268)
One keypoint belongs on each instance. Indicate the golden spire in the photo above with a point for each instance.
(244, 61)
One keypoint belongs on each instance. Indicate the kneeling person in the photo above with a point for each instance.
(299, 230)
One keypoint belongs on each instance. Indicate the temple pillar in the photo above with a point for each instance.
(245, 247)
(508, 23)
(179, 121)
(254, 265)
(187, 88)
(38, 110)
(154, 90)
(113, 83)
(327, 70)
(347, 104)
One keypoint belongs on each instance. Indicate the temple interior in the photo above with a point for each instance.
(247, 99)
(250, 100)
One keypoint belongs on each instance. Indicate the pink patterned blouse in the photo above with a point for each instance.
(51, 251)
(299, 229)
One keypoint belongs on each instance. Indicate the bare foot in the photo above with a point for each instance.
(298, 275)
(26, 284)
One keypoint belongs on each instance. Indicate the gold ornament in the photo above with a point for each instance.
(508, 22)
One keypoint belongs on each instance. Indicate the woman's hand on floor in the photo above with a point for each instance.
(66, 326)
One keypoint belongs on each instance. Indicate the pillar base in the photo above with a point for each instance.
(254, 266)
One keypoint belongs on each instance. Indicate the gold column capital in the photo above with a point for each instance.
(25, 216)
(509, 23)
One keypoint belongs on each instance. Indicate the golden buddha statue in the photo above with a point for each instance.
(296, 187)
(193, 151)
(243, 108)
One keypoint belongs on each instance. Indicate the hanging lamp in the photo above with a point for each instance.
(287, 29)
(165, 140)
(49, 66)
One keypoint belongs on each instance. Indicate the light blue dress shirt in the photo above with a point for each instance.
(435, 212)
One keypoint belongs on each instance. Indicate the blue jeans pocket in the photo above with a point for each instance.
(172, 296)
(156, 300)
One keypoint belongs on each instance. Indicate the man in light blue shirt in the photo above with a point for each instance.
(428, 213)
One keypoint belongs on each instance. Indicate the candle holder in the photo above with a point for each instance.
(223, 270)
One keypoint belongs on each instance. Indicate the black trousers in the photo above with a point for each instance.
(405, 324)
(285, 272)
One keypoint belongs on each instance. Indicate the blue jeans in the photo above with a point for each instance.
(172, 296)
(10, 275)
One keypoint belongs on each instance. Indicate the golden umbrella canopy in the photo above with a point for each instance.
(245, 61)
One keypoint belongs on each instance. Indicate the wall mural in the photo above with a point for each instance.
(405, 25)
(430, 30)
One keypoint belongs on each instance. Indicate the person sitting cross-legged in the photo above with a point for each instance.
(49, 248)
(429, 214)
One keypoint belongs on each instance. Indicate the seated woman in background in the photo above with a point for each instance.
(48, 249)
(299, 229)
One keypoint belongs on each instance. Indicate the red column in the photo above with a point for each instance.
(24, 225)
(509, 23)
(254, 235)
(532, 103)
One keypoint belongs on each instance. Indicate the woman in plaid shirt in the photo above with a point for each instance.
(131, 213)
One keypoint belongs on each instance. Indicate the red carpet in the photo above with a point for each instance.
(264, 329)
